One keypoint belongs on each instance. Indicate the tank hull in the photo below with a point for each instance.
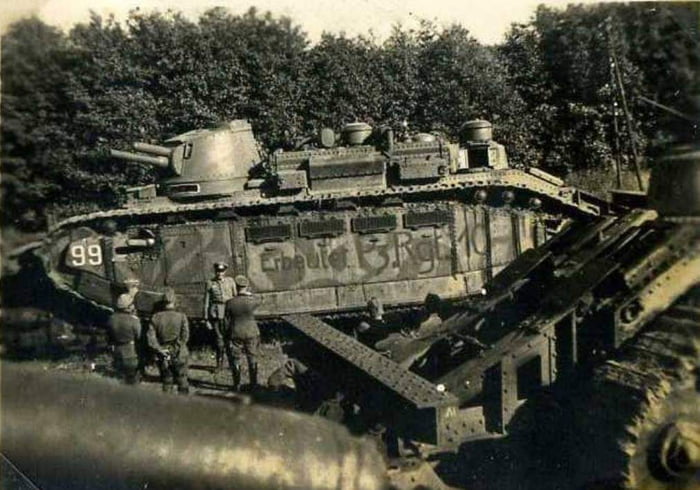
(305, 255)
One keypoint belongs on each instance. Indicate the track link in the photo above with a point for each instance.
(651, 386)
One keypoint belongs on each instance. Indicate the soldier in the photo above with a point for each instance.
(302, 379)
(131, 284)
(373, 328)
(219, 290)
(124, 333)
(242, 332)
(312, 390)
(433, 305)
(168, 336)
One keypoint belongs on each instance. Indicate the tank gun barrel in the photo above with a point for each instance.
(156, 161)
(95, 434)
(163, 151)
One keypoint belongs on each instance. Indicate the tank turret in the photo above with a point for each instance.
(202, 163)
(674, 184)
(478, 130)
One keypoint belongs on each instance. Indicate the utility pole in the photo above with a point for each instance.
(616, 129)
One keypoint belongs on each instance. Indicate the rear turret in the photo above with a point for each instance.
(363, 157)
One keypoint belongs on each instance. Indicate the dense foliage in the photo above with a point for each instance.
(561, 63)
(67, 97)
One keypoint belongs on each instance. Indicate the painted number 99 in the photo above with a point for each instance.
(86, 255)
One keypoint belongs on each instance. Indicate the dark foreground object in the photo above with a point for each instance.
(69, 432)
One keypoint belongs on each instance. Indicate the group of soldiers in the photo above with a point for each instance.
(229, 309)
(229, 313)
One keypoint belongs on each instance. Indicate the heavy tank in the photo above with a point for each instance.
(320, 228)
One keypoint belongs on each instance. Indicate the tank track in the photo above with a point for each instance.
(653, 383)
(534, 181)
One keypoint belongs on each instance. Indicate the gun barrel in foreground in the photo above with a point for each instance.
(75, 432)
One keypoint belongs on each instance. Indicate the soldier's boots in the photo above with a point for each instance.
(169, 388)
(219, 360)
(132, 378)
(253, 372)
(236, 374)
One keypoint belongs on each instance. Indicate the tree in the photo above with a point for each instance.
(560, 64)
(459, 80)
(68, 98)
(343, 82)
(36, 116)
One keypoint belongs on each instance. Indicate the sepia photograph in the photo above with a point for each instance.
(397, 245)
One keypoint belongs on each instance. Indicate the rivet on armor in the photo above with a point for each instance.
(630, 312)
(480, 195)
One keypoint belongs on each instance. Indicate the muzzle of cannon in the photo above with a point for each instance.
(65, 431)
(159, 161)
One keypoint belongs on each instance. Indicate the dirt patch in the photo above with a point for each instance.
(204, 379)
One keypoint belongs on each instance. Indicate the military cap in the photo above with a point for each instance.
(242, 281)
(220, 266)
(124, 301)
(169, 296)
(432, 303)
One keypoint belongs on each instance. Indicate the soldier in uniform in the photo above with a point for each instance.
(303, 380)
(374, 327)
(242, 332)
(168, 336)
(219, 290)
(124, 333)
(312, 390)
(433, 305)
(131, 284)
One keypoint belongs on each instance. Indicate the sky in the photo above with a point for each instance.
(487, 20)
